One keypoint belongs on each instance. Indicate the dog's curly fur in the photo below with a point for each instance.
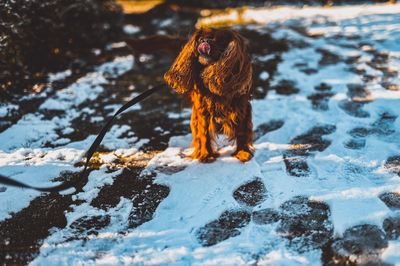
(219, 86)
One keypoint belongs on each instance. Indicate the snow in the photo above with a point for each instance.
(59, 75)
(348, 180)
(392, 254)
(131, 29)
(5, 109)
(320, 14)
(264, 75)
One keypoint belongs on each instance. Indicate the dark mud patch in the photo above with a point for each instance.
(323, 87)
(382, 127)
(391, 225)
(286, 87)
(266, 216)
(355, 144)
(353, 109)
(137, 186)
(296, 166)
(359, 93)
(359, 132)
(251, 194)
(305, 145)
(304, 67)
(358, 140)
(23, 234)
(380, 61)
(391, 86)
(328, 58)
(267, 127)
(391, 199)
(226, 226)
(305, 223)
(309, 71)
(320, 100)
(393, 164)
(360, 245)
(170, 169)
(86, 226)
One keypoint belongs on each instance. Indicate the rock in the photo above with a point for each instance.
(251, 194)
(226, 226)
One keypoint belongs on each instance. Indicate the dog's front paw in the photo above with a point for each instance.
(195, 154)
(204, 157)
(243, 155)
(207, 157)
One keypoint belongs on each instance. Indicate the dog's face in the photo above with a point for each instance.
(211, 44)
(218, 59)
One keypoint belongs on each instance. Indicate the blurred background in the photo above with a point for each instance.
(38, 37)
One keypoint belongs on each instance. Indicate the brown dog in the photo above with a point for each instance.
(215, 71)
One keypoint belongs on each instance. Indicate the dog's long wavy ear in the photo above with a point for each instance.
(232, 74)
(181, 74)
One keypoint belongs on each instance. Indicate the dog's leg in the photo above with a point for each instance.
(195, 135)
(207, 154)
(205, 136)
(244, 137)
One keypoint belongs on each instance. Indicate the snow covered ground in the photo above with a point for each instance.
(323, 187)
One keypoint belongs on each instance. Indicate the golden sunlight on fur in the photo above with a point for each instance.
(214, 70)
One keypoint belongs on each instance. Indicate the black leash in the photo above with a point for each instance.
(69, 184)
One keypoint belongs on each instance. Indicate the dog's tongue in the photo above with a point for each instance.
(204, 48)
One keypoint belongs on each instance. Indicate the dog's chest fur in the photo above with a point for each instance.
(223, 115)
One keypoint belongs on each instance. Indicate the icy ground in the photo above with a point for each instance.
(323, 188)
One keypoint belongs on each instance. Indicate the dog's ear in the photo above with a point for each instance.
(232, 74)
(181, 74)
